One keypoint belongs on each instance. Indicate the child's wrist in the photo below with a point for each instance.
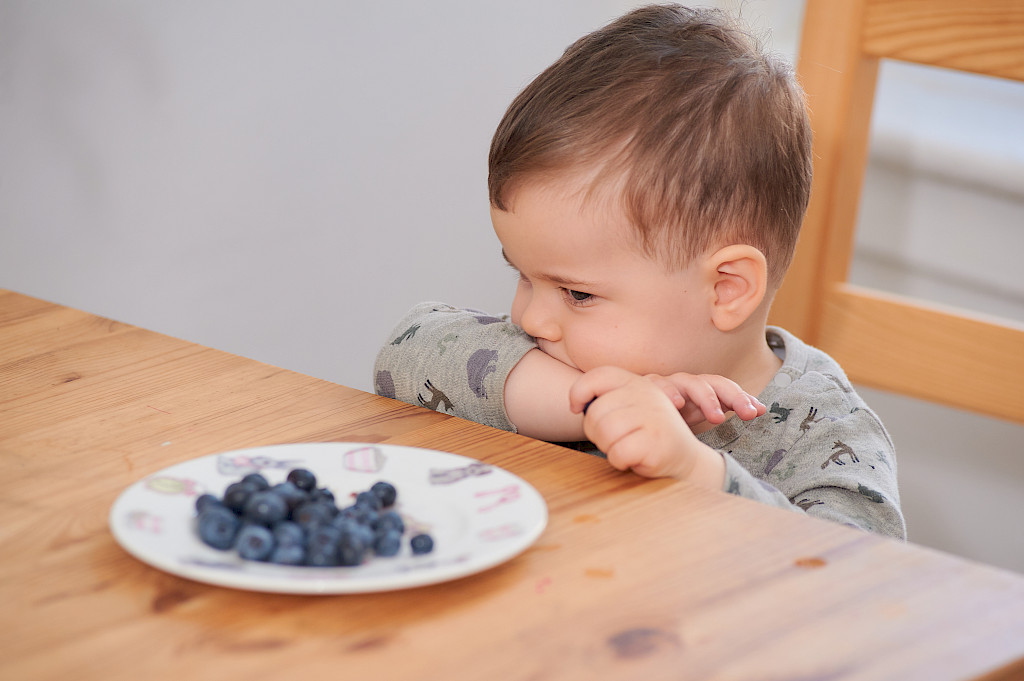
(708, 469)
(536, 398)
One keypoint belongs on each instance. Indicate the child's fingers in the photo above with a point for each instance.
(716, 394)
(692, 414)
(670, 390)
(697, 398)
(734, 398)
(703, 394)
(702, 400)
(595, 383)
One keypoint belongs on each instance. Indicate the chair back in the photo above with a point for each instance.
(951, 356)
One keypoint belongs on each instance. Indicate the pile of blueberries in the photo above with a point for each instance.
(297, 523)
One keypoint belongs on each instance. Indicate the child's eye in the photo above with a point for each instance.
(577, 297)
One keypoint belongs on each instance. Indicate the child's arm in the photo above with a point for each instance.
(537, 398)
(451, 360)
(837, 463)
(841, 468)
(488, 370)
(637, 424)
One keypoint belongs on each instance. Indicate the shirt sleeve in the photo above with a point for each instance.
(452, 360)
(840, 467)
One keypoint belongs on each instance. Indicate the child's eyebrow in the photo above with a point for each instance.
(563, 281)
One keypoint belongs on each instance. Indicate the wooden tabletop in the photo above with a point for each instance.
(632, 579)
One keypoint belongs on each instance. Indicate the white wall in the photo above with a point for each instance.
(279, 180)
(282, 180)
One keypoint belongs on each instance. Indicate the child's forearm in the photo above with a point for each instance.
(537, 398)
(451, 360)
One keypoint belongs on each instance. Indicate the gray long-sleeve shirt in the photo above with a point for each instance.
(819, 449)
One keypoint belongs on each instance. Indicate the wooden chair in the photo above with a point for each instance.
(885, 341)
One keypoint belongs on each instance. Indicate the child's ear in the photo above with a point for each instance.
(740, 278)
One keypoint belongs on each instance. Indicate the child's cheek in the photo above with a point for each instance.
(518, 303)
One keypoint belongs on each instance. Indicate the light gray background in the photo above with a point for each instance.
(283, 180)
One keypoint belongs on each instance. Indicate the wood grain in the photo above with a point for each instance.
(952, 357)
(932, 351)
(978, 37)
(633, 578)
(839, 82)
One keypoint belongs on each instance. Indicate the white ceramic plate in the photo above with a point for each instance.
(478, 514)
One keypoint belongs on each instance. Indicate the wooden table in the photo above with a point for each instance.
(632, 579)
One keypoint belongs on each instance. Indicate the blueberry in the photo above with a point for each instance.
(218, 527)
(303, 479)
(297, 523)
(351, 548)
(368, 500)
(323, 546)
(288, 555)
(349, 513)
(288, 533)
(343, 521)
(322, 494)
(290, 493)
(314, 513)
(365, 534)
(204, 501)
(326, 556)
(258, 480)
(387, 543)
(325, 535)
(255, 542)
(389, 520)
(362, 515)
(421, 543)
(386, 492)
(236, 494)
(266, 508)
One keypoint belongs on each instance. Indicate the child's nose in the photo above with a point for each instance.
(538, 321)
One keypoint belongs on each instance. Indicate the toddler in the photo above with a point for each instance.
(648, 189)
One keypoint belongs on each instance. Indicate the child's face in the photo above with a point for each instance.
(588, 294)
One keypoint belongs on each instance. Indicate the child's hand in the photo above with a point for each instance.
(637, 425)
(707, 397)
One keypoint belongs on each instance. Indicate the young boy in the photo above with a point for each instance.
(648, 189)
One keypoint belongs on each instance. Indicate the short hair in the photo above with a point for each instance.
(703, 133)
